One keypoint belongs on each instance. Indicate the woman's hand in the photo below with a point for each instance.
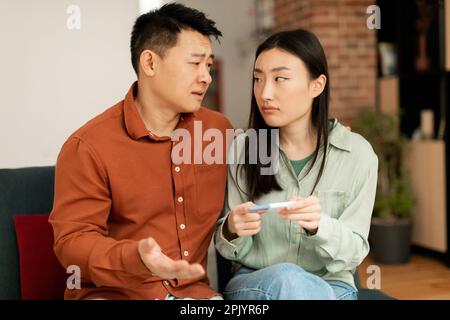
(306, 211)
(243, 223)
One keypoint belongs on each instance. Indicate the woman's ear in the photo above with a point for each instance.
(147, 62)
(318, 85)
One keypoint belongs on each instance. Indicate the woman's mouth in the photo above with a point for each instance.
(269, 109)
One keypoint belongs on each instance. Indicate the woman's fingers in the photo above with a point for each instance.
(302, 216)
(303, 203)
(251, 225)
(251, 217)
(245, 233)
(308, 209)
(310, 226)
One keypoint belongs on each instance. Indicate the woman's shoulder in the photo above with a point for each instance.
(359, 148)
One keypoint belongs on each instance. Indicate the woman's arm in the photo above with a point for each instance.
(342, 243)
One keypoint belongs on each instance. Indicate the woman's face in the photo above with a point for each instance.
(283, 89)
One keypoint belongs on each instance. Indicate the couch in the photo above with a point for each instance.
(28, 192)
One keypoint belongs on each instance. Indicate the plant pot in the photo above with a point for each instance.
(390, 241)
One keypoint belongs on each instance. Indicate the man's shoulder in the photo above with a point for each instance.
(106, 121)
(213, 119)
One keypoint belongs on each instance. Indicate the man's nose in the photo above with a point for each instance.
(205, 76)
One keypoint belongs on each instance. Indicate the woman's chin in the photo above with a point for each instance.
(274, 123)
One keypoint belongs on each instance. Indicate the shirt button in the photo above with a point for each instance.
(186, 253)
(180, 199)
(166, 282)
(177, 169)
(182, 226)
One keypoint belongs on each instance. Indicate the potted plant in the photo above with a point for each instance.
(390, 234)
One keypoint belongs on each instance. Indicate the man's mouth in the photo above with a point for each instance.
(199, 93)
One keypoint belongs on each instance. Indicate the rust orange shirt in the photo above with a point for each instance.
(116, 184)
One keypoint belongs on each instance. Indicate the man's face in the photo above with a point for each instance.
(182, 76)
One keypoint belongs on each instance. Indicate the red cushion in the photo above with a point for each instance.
(41, 274)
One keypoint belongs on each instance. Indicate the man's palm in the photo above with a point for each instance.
(163, 266)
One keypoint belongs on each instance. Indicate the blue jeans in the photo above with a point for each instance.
(285, 281)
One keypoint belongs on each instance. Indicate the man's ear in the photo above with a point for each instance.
(318, 85)
(147, 62)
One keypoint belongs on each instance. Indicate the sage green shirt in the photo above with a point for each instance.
(346, 192)
(298, 165)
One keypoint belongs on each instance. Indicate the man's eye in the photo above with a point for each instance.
(278, 79)
(255, 79)
(195, 63)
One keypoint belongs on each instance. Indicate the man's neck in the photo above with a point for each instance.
(158, 119)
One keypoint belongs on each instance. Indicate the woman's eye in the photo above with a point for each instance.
(196, 63)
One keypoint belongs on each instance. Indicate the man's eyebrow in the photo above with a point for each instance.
(202, 55)
(257, 70)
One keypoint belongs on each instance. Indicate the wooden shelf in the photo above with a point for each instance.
(426, 163)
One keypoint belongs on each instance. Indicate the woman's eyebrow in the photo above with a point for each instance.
(257, 70)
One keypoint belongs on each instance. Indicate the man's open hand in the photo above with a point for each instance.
(163, 266)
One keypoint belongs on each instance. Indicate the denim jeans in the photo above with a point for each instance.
(285, 281)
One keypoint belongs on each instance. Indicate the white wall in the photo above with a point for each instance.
(53, 79)
(235, 18)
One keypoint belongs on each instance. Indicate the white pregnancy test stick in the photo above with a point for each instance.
(271, 206)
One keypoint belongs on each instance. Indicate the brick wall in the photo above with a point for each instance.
(349, 45)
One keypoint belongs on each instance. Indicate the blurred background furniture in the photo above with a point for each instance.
(26, 198)
(420, 33)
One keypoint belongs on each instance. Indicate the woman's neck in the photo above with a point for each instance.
(298, 140)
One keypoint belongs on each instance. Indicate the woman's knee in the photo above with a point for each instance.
(284, 281)
(291, 282)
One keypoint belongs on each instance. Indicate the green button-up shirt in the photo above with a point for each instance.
(346, 192)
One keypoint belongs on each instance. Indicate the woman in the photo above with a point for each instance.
(309, 249)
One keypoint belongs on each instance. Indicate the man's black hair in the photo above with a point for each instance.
(158, 29)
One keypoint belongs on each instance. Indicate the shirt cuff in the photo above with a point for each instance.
(326, 236)
(228, 249)
(132, 260)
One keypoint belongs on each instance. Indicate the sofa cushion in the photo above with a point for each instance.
(22, 190)
(41, 274)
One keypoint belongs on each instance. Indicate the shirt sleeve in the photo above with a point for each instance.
(79, 218)
(237, 248)
(343, 243)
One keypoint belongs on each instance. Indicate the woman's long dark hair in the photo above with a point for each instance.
(306, 47)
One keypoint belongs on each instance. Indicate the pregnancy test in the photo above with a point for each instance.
(264, 207)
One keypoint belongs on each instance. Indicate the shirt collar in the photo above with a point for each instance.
(133, 121)
(340, 136)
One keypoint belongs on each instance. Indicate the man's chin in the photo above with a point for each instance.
(191, 109)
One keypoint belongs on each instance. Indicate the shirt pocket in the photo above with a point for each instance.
(333, 203)
(210, 182)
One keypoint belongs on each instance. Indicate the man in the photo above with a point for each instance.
(137, 225)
